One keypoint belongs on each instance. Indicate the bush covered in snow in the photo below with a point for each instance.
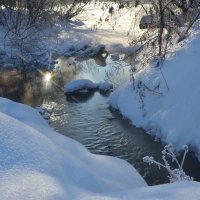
(29, 28)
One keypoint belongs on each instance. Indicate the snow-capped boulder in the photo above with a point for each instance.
(79, 86)
(105, 87)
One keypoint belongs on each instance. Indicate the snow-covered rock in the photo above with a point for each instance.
(85, 85)
(80, 85)
(104, 87)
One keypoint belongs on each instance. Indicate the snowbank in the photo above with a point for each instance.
(172, 115)
(38, 163)
(175, 191)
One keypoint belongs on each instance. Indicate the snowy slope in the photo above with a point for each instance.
(38, 163)
(173, 191)
(172, 115)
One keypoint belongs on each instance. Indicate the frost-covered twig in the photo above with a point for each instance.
(176, 174)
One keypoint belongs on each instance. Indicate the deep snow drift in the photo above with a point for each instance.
(172, 115)
(38, 163)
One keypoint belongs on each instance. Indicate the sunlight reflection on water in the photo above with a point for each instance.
(91, 122)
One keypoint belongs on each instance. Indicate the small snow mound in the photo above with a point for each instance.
(80, 85)
(104, 87)
(85, 85)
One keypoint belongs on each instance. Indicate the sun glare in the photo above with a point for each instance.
(47, 77)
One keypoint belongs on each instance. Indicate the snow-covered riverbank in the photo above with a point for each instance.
(38, 163)
(172, 115)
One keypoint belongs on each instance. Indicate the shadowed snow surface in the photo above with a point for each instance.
(38, 163)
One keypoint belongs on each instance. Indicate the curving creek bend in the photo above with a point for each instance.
(89, 120)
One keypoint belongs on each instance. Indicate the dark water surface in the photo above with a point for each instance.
(103, 131)
(89, 120)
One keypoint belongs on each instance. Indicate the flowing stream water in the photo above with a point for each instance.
(89, 119)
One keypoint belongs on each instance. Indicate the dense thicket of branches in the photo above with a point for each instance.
(25, 24)
(21, 15)
(165, 24)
